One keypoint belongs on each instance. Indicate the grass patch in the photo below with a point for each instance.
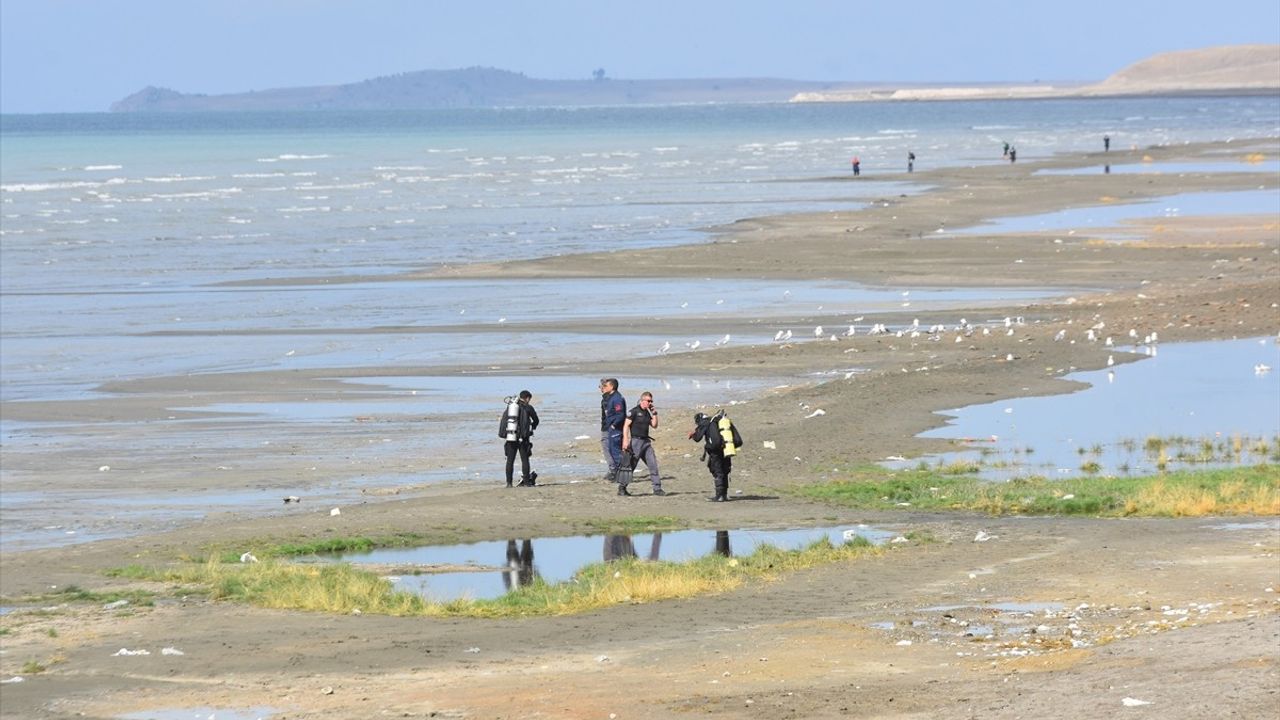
(77, 594)
(1251, 490)
(341, 588)
(633, 525)
(31, 667)
(263, 549)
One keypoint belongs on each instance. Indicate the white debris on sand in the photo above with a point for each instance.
(1134, 702)
(983, 536)
(126, 652)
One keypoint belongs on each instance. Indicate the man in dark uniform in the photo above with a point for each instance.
(635, 437)
(613, 412)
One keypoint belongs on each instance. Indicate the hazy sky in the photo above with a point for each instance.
(81, 55)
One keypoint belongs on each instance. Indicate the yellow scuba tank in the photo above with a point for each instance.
(725, 427)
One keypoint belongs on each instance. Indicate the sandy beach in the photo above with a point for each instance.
(1150, 600)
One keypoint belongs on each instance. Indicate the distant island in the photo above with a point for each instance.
(1252, 69)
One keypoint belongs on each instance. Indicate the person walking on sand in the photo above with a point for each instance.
(1013, 154)
(911, 161)
(635, 437)
(516, 426)
(857, 166)
(613, 413)
(721, 442)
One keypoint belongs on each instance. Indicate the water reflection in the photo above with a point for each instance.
(497, 567)
(520, 572)
(1191, 405)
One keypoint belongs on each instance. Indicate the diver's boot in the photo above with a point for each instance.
(722, 489)
(622, 490)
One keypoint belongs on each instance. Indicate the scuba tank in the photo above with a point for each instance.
(513, 419)
(725, 427)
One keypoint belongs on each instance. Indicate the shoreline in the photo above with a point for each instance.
(1190, 281)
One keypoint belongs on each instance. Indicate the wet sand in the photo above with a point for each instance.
(800, 647)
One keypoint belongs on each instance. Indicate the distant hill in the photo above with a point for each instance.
(1221, 70)
(1216, 70)
(474, 87)
(1238, 69)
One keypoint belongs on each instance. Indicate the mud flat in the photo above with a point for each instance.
(1051, 617)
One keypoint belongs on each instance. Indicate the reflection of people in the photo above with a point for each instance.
(519, 572)
(613, 412)
(620, 547)
(722, 543)
(635, 437)
(516, 427)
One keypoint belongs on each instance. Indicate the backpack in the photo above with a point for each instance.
(721, 436)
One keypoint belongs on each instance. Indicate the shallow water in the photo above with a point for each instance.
(503, 566)
(198, 712)
(1244, 202)
(1169, 168)
(1201, 390)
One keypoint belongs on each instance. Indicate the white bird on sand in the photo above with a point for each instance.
(853, 330)
(777, 336)
(786, 336)
(1108, 342)
(817, 332)
(1060, 336)
(665, 347)
(1133, 333)
(696, 344)
(1111, 360)
(723, 341)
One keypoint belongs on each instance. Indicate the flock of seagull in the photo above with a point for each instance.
(963, 329)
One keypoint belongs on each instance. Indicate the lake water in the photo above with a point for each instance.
(134, 246)
(1186, 391)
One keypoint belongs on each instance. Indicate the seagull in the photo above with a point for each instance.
(786, 336)
(777, 336)
(1111, 360)
(1108, 342)
(723, 341)
(1261, 369)
(1059, 337)
(817, 332)
(665, 347)
(696, 344)
(292, 499)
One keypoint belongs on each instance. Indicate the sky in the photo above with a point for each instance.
(82, 55)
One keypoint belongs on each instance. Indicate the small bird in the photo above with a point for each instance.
(666, 346)
(1261, 369)
(777, 336)
(1111, 360)
(292, 499)
(786, 335)
(696, 344)
(723, 341)
(817, 332)
(1060, 336)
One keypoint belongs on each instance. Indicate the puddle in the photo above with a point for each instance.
(496, 567)
(1273, 525)
(1186, 395)
(1247, 202)
(1010, 607)
(1168, 168)
(202, 713)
